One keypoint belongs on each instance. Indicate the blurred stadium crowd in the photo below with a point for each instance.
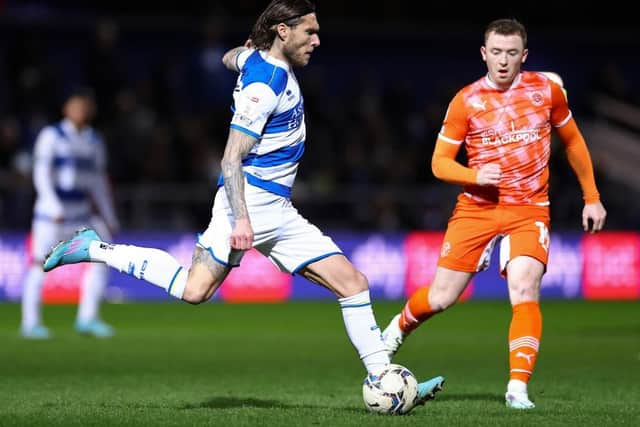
(375, 101)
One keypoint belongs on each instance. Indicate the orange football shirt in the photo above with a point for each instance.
(511, 128)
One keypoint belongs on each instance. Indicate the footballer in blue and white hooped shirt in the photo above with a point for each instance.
(72, 192)
(268, 106)
(253, 209)
(67, 162)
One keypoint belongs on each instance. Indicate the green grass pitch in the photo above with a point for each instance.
(292, 365)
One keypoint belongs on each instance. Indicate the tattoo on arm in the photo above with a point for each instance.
(238, 146)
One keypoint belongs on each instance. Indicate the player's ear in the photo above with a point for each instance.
(525, 53)
(483, 52)
(282, 30)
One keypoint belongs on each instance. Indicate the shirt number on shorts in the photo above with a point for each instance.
(543, 239)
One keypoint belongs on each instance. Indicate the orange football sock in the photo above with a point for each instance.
(416, 310)
(524, 340)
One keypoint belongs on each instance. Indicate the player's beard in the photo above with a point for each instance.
(298, 56)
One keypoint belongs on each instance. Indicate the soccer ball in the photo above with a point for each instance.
(391, 392)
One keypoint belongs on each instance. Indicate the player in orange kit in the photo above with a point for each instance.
(504, 121)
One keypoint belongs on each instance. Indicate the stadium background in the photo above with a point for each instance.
(375, 91)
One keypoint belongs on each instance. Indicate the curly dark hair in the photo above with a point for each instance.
(278, 11)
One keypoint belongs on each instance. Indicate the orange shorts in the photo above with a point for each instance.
(474, 230)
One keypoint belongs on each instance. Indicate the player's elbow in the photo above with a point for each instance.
(229, 60)
(436, 167)
(228, 63)
(229, 165)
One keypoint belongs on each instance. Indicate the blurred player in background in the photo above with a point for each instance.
(252, 208)
(71, 191)
(504, 121)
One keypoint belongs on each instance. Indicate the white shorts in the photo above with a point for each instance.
(46, 233)
(281, 233)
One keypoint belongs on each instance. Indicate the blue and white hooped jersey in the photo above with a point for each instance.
(268, 105)
(67, 162)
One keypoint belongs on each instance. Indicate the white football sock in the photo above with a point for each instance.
(32, 297)
(93, 285)
(363, 331)
(152, 265)
(517, 386)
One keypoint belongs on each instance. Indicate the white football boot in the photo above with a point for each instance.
(393, 336)
(517, 397)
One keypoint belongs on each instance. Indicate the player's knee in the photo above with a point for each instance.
(197, 293)
(441, 300)
(524, 289)
(193, 296)
(441, 304)
(524, 292)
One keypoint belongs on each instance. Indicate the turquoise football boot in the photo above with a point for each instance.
(71, 251)
(95, 328)
(427, 390)
(37, 332)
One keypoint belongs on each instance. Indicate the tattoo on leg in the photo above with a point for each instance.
(202, 256)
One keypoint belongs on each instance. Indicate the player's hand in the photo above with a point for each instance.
(595, 213)
(489, 174)
(242, 235)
